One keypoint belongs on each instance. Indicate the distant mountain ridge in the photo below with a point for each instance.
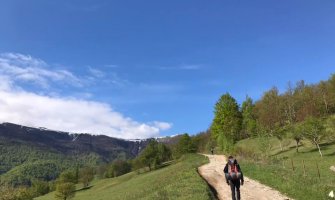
(67, 143)
(28, 153)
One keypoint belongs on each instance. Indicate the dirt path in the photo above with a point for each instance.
(251, 190)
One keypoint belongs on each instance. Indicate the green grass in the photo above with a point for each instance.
(276, 171)
(177, 181)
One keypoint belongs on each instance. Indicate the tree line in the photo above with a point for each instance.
(302, 111)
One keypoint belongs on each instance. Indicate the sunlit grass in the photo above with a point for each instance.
(285, 170)
(177, 181)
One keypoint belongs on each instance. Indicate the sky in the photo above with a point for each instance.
(139, 69)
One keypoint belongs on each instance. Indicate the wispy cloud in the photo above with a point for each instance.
(64, 113)
(19, 67)
(107, 76)
(190, 67)
(96, 73)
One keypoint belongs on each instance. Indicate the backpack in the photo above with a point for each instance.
(233, 172)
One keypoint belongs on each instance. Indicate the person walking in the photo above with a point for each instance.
(234, 177)
(212, 151)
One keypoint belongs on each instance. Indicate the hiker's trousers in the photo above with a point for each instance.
(235, 189)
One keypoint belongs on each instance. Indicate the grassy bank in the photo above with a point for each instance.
(295, 174)
(177, 181)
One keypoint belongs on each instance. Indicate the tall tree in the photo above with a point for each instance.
(330, 128)
(268, 111)
(118, 168)
(289, 105)
(308, 101)
(226, 125)
(324, 97)
(280, 133)
(86, 175)
(184, 145)
(248, 118)
(154, 154)
(331, 90)
(314, 131)
(296, 133)
(65, 191)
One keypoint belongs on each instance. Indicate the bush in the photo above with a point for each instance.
(154, 154)
(86, 176)
(65, 191)
(11, 193)
(40, 187)
(118, 168)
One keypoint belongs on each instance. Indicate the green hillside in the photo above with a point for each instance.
(20, 163)
(177, 181)
(284, 170)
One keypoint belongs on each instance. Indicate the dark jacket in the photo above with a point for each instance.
(225, 170)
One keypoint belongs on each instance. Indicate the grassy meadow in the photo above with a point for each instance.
(176, 181)
(295, 174)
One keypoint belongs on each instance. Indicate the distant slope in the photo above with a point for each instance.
(27, 153)
(177, 181)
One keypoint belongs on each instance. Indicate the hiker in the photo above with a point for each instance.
(234, 177)
(212, 151)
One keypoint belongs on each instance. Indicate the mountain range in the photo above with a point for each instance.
(28, 153)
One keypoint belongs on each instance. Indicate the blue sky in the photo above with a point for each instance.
(160, 64)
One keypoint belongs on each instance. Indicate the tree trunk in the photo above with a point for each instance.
(297, 145)
(326, 103)
(281, 145)
(318, 146)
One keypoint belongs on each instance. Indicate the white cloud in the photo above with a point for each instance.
(96, 73)
(25, 68)
(190, 67)
(72, 115)
(162, 125)
(61, 113)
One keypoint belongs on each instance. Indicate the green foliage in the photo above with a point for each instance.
(11, 193)
(314, 130)
(24, 194)
(226, 125)
(295, 132)
(101, 171)
(25, 173)
(203, 142)
(21, 163)
(248, 119)
(118, 168)
(65, 191)
(68, 176)
(40, 188)
(154, 154)
(330, 128)
(137, 164)
(86, 175)
(184, 145)
(176, 181)
(264, 145)
(269, 110)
